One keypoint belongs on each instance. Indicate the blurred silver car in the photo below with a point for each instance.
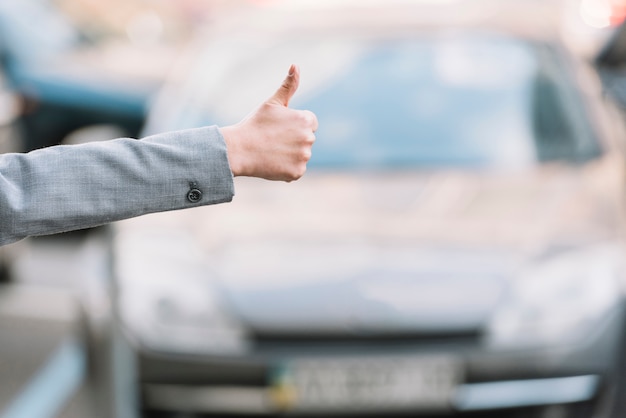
(456, 247)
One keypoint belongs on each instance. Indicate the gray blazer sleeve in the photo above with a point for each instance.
(71, 187)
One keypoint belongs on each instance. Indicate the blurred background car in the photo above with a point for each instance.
(69, 78)
(456, 247)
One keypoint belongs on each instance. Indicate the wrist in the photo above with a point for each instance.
(230, 135)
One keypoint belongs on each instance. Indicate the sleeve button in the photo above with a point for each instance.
(194, 195)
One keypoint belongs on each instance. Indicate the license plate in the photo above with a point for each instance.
(366, 384)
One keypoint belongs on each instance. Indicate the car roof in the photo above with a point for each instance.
(534, 19)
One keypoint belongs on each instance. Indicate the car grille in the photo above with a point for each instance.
(267, 341)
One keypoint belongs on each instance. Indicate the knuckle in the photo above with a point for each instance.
(311, 119)
(265, 108)
(298, 172)
(308, 116)
(302, 117)
(306, 139)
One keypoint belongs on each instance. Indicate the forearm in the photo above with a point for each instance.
(73, 187)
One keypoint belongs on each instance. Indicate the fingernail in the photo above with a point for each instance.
(292, 69)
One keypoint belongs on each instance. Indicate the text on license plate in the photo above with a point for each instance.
(366, 384)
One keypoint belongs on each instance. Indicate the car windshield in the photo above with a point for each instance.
(451, 99)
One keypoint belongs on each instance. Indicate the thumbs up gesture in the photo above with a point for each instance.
(273, 142)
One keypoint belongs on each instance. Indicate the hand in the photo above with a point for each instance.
(273, 142)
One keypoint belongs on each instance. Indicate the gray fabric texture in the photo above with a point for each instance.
(70, 187)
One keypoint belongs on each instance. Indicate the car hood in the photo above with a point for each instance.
(389, 253)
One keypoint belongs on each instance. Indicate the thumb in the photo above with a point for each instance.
(286, 91)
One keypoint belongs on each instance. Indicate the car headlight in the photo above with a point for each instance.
(558, 299)
(166, 298)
